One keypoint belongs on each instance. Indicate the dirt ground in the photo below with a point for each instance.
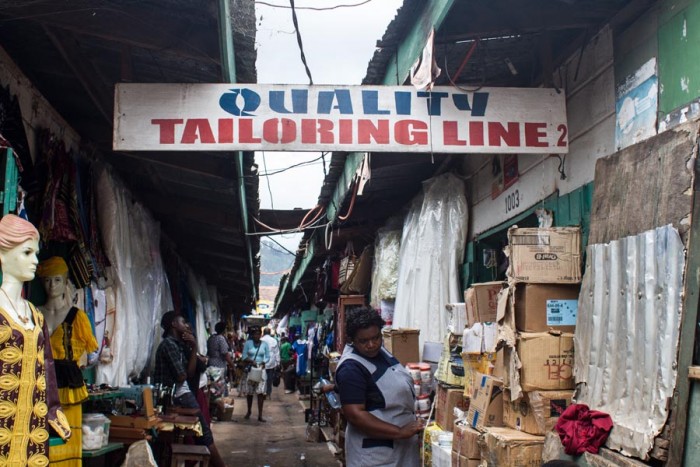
(279, 442)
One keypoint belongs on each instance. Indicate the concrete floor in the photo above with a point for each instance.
(279, 442)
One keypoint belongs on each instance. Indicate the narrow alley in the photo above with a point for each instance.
(280, 441)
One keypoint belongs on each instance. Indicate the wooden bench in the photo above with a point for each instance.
(189, 452)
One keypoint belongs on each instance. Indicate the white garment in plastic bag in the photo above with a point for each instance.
(132, 243)
(385, 268)
(432, 251)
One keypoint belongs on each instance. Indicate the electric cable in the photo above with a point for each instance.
(301, 46)
(275, 172)
(352, 202)
(269, 189)
(281, 246)
(335, 7)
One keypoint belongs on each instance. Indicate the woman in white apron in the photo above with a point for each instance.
(377, 397)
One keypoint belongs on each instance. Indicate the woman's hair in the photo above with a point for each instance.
(220, 327)
(361, 318)
(14, 231)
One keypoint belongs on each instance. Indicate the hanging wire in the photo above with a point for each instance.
(335, 7)
(323, 157)
(280, 245)
(269, 189)
(301, 46)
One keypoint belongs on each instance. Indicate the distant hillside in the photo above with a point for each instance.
(274, 263)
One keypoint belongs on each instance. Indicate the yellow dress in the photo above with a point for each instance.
(28, 395)
(69, 342)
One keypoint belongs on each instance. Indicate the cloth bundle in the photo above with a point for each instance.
(583, 430)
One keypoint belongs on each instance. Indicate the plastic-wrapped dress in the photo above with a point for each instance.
(69, 342)
(28, 395)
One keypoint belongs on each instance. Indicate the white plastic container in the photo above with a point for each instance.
(95, 431)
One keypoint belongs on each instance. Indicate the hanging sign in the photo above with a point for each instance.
(251, 117)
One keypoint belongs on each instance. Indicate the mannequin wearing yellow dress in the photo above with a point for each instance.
(29, 402)
(71, 337)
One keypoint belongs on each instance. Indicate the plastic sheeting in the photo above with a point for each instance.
(385, 269)
(131, 238)
(627, 334)
(432, 248)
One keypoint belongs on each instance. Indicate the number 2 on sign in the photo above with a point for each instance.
(512, 201)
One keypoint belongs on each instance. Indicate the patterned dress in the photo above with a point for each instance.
(28, 395)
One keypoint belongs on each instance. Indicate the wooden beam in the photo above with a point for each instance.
(694, 373)
(192, 166)
(145, 28)
(686, 345)
(188, 210)
(81, 66)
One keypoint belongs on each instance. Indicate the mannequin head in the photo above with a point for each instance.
(19, 246)
(54, 277)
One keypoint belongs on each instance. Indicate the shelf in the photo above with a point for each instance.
(102, 451)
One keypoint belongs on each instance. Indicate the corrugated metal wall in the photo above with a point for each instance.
(627, 334)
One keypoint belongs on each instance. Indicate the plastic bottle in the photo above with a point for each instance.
(331, 396)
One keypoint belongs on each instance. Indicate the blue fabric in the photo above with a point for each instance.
(301, 348)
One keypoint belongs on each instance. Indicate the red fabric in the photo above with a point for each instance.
(203, 402)
(583, 430)
(335, 273)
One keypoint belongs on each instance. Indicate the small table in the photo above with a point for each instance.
(98, 457)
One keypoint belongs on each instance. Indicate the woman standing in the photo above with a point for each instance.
(255, 353)
(377, 397)
(28, 392)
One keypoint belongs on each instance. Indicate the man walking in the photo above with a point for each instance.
(273, 368)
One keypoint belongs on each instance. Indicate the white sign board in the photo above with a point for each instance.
(153, 117)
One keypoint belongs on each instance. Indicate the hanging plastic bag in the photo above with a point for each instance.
(347, 264)
(255, 375)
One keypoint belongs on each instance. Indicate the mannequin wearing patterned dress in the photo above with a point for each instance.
(71, 337)
(29, 402)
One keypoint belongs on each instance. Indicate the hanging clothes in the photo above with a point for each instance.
(301, 348)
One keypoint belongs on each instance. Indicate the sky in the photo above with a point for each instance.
(338, 45)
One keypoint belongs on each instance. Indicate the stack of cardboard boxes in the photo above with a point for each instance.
(510, 408)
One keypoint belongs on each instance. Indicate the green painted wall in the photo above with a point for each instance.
(692, 440)
(679, 54)
(569, 210)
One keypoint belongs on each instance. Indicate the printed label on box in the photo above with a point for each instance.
(561, 312)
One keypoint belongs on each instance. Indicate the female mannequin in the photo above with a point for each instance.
(27, 379)
(71, 337)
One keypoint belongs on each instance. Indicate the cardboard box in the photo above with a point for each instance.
(127, 421)
(441, 455)
(507, 447)
(448, 399)
(403, 344)
(477, 364)
(536, 412)
(545, 255)
(465, 440)
(486, 404)
(541, 307)
(461, 461)
(482, 302)
(547, 360)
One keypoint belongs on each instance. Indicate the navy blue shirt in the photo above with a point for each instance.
(357, 386)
